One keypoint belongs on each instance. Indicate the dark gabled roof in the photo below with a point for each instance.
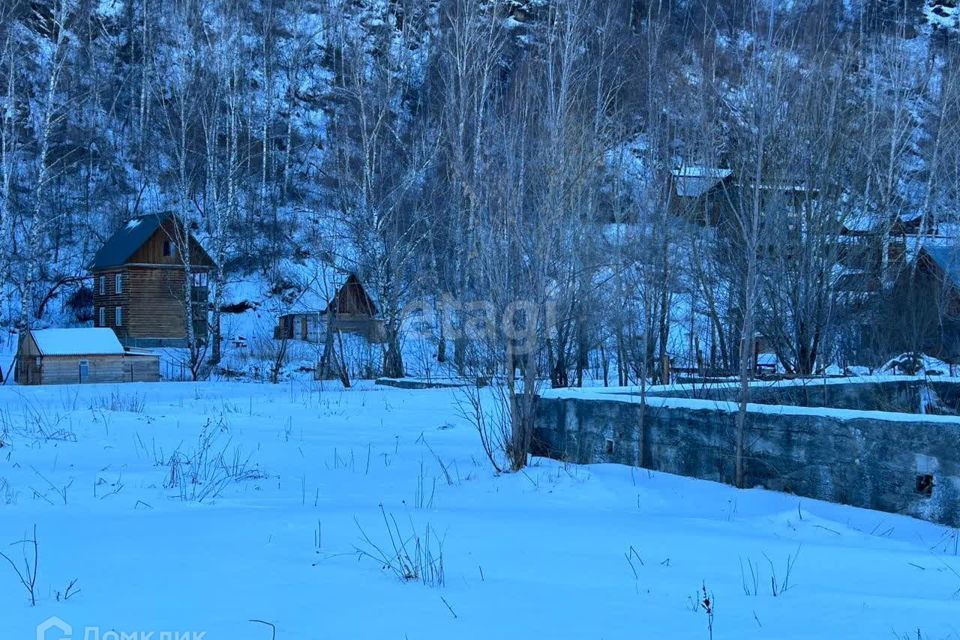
(353, 287)
(119, 248)
(315, 302)
(947, 259)
(125, 242)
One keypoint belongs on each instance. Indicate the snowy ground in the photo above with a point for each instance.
(555, 552)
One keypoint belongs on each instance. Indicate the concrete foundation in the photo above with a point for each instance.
(895, 462)
(897, 395)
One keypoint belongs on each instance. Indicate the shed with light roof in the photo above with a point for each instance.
(85, 355)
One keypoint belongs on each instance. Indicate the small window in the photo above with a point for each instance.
(103, 285)
(169, 249)
(102, 317)
(118, 282)
(925, 485)
(118, 317)
(201, 279)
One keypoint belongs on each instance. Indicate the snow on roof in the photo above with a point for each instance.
(77, 342)
(694, 181)
(911, 216)
(863, 222)
(315, 285)
(947, 258)
(690, 171)
(124, 243)
(309, 301)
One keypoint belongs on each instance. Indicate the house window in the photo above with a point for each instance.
(169, 249)
(102, 317)
(103, 285)
(118, 316)
(118, 282)
(200, 279)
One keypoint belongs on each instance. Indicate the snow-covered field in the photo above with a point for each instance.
(201, 507)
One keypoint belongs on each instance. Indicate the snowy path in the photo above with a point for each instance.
(541, 554)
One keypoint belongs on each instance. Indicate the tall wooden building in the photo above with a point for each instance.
(139, 278)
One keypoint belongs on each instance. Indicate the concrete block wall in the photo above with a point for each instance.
(858, 458)
(886, 395)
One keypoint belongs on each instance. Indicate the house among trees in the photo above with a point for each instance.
(924, 309)
(139, 282)
(699, 193)
(711, 196)
(71, 356)
(312, 318)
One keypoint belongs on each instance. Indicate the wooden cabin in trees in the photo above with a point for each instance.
(351, 309)
(716, 197)
(700, 193)
(76, 356)
(924, 307)
(139, 282)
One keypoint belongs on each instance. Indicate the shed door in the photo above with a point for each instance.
(303, 328)
(84, 370)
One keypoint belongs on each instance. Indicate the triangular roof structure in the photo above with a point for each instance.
(355, 289)
(947, 259)
(320, 297)
(124, 243)
(77, 342)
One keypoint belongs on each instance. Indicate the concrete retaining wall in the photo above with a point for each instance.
(887, 395)
(858, 458)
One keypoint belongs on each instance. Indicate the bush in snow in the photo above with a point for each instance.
(407, 554)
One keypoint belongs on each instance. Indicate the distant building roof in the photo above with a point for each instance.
(862, 223)
(314, 289)
(77, 342)
(125, 242)
(947, 259)
(768, 359)
(693, 181)
(322, 293)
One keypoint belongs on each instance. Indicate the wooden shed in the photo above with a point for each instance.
(351, 310)
(77, 356)
(139, 282)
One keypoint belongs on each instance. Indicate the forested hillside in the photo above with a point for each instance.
(456, 151)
